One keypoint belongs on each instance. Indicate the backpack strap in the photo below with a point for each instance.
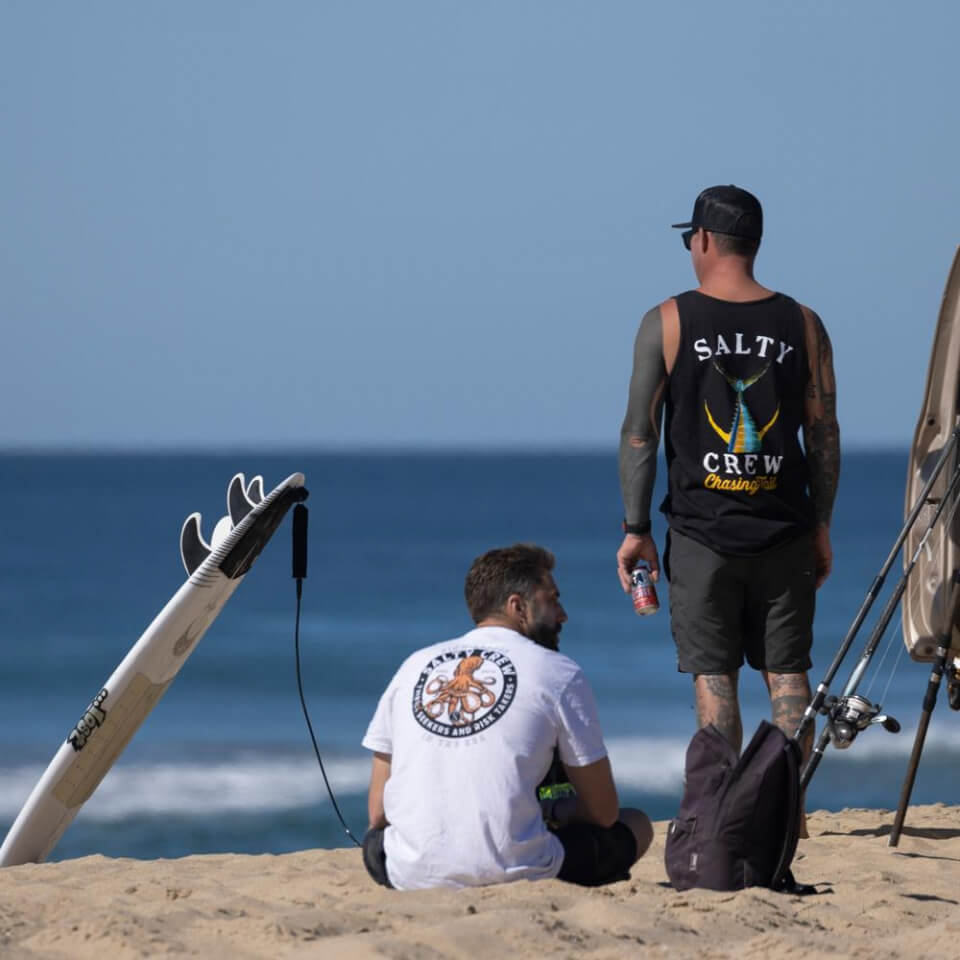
(788, 884)
(782, 876)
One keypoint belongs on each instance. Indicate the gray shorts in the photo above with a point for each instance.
(726, 608)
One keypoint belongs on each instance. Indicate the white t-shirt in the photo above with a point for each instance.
(471, 725)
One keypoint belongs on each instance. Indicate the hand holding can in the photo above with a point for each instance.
(644, 593)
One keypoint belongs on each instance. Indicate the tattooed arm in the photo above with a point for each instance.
(639, 437)
(821, 437)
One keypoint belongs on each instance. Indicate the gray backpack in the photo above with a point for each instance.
(739, 819)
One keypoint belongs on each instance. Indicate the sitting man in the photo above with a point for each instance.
(466, 732)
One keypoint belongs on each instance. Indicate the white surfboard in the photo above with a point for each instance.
(214, 571)
(931, 604)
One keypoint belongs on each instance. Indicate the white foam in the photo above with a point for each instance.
(648, 764)
(655, 765)
(875, 743)
(197, 789)
(257, 783)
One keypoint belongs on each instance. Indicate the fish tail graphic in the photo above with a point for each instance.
(735, 382)
(736, 428)
(748, 440)
(769, 424)
(743, 436)
(722, 434)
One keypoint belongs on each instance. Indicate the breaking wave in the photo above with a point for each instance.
(257, 782)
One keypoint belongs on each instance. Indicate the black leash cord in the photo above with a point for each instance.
(299, 572)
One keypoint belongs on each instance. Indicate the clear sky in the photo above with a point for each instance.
(410, 223)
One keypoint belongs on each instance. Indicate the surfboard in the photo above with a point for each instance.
(931, 604)
(214, 570)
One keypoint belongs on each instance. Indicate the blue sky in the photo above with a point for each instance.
(407, 224)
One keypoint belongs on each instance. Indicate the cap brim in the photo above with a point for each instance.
(677, 226)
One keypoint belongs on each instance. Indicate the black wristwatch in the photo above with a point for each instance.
(637, 529)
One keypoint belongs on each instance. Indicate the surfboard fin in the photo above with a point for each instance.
(193, 548)
(238, 504)
(255, 490)
(221, 531)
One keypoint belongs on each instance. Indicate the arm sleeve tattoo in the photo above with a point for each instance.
(640, 432)
(821, 432)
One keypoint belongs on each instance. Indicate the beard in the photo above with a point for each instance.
(545, 636)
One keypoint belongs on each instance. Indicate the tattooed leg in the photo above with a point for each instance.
(789, 696)
(716, 697)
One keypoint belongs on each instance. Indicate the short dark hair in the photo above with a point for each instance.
(494, 577)
(737, 246)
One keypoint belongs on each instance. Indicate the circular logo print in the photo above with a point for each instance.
(459, 694)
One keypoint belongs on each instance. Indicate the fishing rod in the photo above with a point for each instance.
(850, 713)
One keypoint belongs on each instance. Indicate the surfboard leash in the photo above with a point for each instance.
(299, 573)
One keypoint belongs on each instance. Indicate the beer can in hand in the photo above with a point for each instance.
(644, 593)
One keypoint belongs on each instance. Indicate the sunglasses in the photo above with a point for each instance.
(687, 236)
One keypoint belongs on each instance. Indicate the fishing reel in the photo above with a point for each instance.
(953, 684)
(847, 716)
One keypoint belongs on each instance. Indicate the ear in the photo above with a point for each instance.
(704, 239)
(516, 605)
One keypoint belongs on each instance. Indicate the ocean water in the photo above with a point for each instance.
(89, 555)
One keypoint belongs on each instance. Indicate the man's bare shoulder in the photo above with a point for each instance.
(670, 318)
(656, 312)
(819, 349)
(810, 315)
(666, 311)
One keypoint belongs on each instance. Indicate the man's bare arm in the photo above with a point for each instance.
(821, 437)
(821, 432)
(596, 794)
(379, 775)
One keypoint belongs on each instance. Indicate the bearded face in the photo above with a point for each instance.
(546, 616)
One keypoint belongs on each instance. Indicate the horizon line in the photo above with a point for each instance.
(426, 449)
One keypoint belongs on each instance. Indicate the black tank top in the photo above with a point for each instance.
(735, 403)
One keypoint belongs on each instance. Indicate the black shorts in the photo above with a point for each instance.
(724, 608)
(374, 859)
(592, 856)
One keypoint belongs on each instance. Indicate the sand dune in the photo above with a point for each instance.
(875, 902)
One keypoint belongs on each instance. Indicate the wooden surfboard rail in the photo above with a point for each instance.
(931, 605)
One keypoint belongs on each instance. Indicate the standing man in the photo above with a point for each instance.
(466, 732)
(741, 370)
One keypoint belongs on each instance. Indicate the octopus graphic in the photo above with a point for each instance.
(743, 435)
(461, 696)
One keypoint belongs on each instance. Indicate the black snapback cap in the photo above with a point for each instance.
(729, 210)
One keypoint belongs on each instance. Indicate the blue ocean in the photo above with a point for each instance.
(89, 555)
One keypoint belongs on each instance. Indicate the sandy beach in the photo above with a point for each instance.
(875, 902)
